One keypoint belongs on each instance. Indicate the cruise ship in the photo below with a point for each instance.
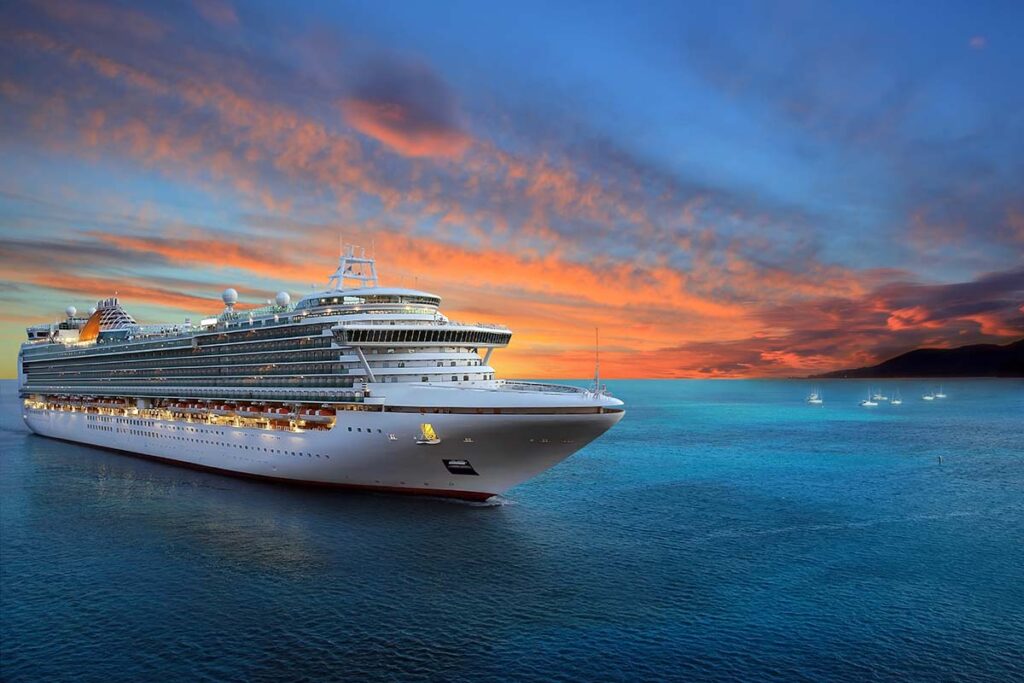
(354, 386)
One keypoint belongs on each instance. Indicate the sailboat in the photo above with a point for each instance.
(929, 397)
(868, 402)
(815, 398)
(940, 393)
(427, 437)
(896, 399)
(879, 396)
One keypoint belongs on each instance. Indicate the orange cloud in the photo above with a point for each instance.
(394, 125)
(907, 318)
(994, 325)
(269, 261)
(128, 290)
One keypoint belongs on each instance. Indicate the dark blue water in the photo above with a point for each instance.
(724, 530)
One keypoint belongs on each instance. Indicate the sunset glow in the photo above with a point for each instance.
(752, 190)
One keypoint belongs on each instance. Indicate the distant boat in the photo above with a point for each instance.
(867, 402)
(939, 393)
(929, 397)
(879, 396)
(815, 398)
(896, 400)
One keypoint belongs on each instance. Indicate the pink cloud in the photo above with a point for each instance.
(393, 124)
(907, 318)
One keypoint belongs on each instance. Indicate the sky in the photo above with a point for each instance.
(723, 189)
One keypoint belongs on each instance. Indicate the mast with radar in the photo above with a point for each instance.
(351, 266)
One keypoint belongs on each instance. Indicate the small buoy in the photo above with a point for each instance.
(940, 459)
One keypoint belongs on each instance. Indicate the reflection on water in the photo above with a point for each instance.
(261, 526)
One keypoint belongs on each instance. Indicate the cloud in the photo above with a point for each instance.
(907, 318)
(218, 12)
(553, 226)
(104, 17)
(409, 109)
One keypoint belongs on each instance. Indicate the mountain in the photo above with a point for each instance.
(978, 360)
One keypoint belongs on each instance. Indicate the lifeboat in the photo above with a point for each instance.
(326, 412)
(314, 415)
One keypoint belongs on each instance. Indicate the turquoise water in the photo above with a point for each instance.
(723, 530)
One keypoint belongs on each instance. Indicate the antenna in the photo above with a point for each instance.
(597, 362)
(353, 265)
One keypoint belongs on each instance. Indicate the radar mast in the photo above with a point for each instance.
(351, 266)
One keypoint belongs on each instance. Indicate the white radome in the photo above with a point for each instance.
(92, 310)
(229, 297)
(71, 311)
(283, 298)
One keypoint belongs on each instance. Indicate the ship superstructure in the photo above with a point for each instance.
(354, 385)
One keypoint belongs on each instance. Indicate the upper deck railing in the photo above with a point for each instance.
(543, 386)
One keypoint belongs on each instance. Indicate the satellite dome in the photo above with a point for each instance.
(229, 297)
(91, 311)
(283, 298)
(71, 310)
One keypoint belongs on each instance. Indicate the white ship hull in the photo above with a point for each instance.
(380, 452)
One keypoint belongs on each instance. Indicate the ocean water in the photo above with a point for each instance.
(724, 530)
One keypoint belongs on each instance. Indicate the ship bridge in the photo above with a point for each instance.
(445, 334)
(366, 296)
(367, 300)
